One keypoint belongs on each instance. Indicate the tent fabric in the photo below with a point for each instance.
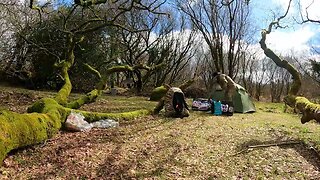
(241, 100)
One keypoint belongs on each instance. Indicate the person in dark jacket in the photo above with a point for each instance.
(174, 104)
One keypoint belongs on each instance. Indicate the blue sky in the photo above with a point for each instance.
(297, 39)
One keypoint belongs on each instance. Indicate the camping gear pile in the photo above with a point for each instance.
(226, 98)
(201, 104)
(241, 103)
(216, 107)
(222, 108)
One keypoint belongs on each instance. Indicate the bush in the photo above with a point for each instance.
(195, 92)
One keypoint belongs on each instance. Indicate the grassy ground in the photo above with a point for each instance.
(201, 146)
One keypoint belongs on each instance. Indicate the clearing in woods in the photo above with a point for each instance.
(201, 146)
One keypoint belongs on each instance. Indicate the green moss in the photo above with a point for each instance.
(158, 93)
(93, 116)
(88, 98)
(304, 103)
(119, 69)
(49, 106)
(54, 110)
(63, 94)
(44, 119)
(19, 130)
(93, 70)
(309, 110)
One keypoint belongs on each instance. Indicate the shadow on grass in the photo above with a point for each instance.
(146, 160)
(309, 153)
(59, 152)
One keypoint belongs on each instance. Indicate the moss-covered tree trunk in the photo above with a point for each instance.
(63, 94)
(19, 130)
(44, 120)
(46, 116)
(308, 109)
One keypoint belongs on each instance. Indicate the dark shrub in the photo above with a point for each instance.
(195, 92)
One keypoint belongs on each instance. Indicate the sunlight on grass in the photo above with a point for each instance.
(202, 146)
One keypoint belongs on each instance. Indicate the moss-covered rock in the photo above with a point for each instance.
(158, 93)
(309, 110)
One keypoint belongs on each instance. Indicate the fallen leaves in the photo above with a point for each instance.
(198, 147)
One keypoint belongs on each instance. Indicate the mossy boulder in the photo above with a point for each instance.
(158, 93)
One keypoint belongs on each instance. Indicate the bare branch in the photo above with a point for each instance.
(38, 46)
(305, 18)
(93, 70)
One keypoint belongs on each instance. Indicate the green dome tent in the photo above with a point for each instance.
(241, 100)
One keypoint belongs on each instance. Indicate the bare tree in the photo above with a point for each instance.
(278, 81)
(304, 14)
(136, 46)
(15, 16)
(175, 50)
(260, 78)
(249, 65)
(223, 26)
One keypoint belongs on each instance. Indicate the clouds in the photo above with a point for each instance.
(312, 7)
(304, 6)
(286, 42)
(297, 39)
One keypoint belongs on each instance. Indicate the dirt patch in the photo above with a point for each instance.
(16, 101)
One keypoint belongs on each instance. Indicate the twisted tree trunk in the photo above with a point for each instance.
(308, 109)
(46, 116)
(43, 120)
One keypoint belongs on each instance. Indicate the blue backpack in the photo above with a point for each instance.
(216, 108)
